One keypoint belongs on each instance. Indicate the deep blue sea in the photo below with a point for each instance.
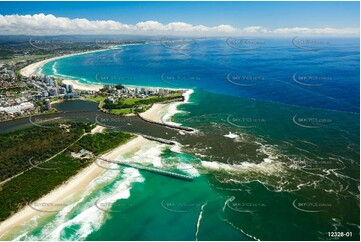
(276, 153)
(322, 76)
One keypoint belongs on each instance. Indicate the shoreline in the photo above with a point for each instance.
(163, 112)
(96, 87)
(34, 68)
(85, 176)
(71, 187)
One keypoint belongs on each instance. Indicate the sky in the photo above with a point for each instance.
(192, 18)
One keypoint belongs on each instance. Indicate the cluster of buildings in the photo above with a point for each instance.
(21, 96)
(27, 96)
(6, 74)
(47, 87)
(18, 110)
(14, 99)
(132, 92)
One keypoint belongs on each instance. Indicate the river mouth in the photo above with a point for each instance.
(265, 160)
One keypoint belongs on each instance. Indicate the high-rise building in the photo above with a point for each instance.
(70, 88)
(53, 92)
(62, 90)
(44, 93)
(47, 104)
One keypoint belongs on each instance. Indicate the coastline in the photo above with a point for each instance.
(162, 113)
(96, 87)
(71, 187)
(33, 69)
(84, 87)
(82, 179)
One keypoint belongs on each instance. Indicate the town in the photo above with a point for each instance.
(22, 96)
(26, 96)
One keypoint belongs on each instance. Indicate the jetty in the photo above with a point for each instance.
(151, 169)
(166, 125)
(160, 140)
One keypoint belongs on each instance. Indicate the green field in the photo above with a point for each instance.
(26, 57)
(137, 105)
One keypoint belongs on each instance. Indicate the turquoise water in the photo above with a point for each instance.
(272, 159)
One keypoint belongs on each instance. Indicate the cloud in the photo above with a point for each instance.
(41, 24)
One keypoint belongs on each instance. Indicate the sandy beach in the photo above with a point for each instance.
(88, 174)
(161, 112)
(79, 86)
(156, 112)
(73, 186)
(80, 181)
(33, 69)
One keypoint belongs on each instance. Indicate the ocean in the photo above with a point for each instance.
(275, 155)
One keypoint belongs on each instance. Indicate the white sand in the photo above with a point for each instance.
(70, 188)
(97, 129)
(159, 112)
(156, 112)
(33, 69)
(80, 86)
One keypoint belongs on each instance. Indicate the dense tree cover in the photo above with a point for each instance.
(36, 182)
(119, 86)
(17, 148)
(102, 142)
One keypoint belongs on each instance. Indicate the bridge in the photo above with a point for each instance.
(151, 169)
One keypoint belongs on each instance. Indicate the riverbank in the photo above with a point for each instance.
(73, 186)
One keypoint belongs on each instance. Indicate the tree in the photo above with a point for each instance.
(119, 86)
